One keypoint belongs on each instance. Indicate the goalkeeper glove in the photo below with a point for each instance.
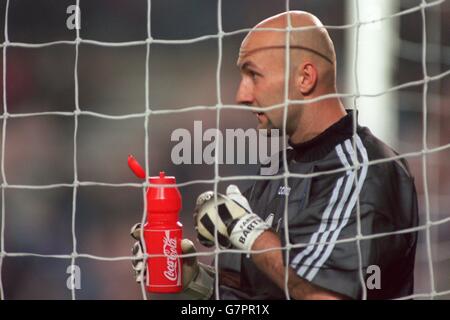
(237, 226)
(198, 278)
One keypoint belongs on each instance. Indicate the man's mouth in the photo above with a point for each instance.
(259, 115)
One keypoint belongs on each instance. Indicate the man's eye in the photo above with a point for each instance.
(253, 74)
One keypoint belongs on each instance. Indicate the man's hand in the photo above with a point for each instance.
(236, 225)
(198, 279)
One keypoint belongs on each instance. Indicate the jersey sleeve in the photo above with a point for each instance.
(329, 215)
(323, 233)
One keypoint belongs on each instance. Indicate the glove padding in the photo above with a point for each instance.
(237, 226)
(198, 278)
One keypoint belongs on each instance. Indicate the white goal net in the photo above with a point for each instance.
(85, 83)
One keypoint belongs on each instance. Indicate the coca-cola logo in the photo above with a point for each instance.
(170, 252)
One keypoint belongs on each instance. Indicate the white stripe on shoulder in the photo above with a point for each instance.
(333, 199)
(343, 158)
(312, 273)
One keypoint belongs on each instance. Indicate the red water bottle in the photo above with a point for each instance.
(162, 233)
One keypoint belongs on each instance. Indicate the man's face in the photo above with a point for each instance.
(261, 62)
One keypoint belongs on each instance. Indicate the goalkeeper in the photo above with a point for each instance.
(321, 209)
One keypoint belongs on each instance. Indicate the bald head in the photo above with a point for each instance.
(312, 43)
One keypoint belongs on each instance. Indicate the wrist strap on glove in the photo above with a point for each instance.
(244, 231)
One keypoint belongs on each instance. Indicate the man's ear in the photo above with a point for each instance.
(307, 78)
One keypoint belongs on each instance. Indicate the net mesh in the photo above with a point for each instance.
(424, 152)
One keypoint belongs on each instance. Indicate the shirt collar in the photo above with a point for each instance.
(319, 146)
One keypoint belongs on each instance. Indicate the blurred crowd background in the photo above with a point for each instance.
(39, 149)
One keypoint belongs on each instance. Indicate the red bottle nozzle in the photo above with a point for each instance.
(136, 167)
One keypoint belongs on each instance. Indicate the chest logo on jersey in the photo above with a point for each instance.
(283, 190)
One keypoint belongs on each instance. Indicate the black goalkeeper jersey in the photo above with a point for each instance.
(322, 209)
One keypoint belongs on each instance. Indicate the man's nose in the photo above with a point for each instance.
(244, 94)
